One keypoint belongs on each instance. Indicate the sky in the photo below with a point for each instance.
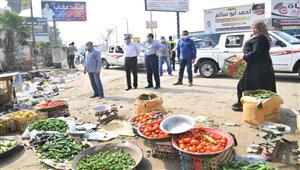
(112, 14)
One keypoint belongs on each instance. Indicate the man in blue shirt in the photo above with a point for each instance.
(92, 67)
(151, 49)
(187, 53)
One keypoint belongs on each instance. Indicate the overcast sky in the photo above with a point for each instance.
(103, 14)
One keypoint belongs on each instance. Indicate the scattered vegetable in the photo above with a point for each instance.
(107, 161)
(41, 138)
(7, 144)
(60, 149)
(145, 118)
(49, 125)
(51, 104)
(152, 130)
(238, 165)
(263, 95)
(200, 141)
(22, 114)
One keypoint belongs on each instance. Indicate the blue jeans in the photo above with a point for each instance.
(188, 64)
(162, 60)
(96, 84)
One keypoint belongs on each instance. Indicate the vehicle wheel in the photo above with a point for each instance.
(105, 64)
(299, 72)
(208, 69)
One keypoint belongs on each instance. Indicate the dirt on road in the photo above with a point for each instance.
(208, 97)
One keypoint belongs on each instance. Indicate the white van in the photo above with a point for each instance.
(115, 57)
(285, 53)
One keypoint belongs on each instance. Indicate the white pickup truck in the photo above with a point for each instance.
(285, 53)
(115, 57)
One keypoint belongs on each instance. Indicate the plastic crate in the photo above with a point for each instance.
(163, 148)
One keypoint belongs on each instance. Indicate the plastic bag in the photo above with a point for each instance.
(18, 82)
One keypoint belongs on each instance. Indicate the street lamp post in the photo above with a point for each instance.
(116, 32)
(127, 25)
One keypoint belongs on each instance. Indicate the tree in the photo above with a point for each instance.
(14, 34)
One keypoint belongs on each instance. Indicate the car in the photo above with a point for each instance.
(115, 57)
(285, 53)
(297, 36)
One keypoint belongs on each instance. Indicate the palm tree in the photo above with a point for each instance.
(13, 34)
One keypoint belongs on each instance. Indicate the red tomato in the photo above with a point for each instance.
(187, 140)
(195, 142)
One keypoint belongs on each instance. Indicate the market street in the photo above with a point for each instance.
(208, 97)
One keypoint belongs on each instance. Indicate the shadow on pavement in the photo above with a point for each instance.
(12, 157)
(287, 78)
(179, 90)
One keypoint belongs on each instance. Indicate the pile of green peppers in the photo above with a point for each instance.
(60, 149)
(107, 161)
(51, 124)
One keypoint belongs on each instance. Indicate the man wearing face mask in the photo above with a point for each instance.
(164, 56)
(92, 67)
(187, 51)
(151, 49)
(131, 51)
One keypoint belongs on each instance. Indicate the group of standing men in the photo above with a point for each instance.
(156, 54)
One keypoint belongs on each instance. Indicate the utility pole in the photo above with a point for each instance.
(33, 50)
(55, 32)
(127, 25)
(178, 24)
(151, 22)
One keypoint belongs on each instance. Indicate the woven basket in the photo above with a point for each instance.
(191, 162)
(22, 123)
(7, 125)
(163, 148)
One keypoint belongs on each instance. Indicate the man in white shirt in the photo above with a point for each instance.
(47, 12)
(131, 51)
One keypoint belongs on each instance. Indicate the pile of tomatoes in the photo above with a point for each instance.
(145, 118)
(51, 104)
(201, 141)
(152, 130)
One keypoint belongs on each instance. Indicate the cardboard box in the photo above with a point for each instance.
(257, 111)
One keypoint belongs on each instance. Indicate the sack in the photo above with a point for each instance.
(257, 111)
(146, 103)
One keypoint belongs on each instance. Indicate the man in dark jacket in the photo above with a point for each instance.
(187, 53)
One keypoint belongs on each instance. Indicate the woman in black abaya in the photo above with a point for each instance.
(259, 73)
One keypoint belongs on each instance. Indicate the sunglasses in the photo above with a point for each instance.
(185, 34)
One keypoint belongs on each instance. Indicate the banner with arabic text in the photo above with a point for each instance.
(64, 10)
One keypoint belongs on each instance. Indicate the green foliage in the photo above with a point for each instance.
(14, 34)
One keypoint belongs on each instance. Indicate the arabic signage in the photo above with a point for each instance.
(151, 24)
(40, 28)
(285, 12)
(167, 5)
(232, 19)
(64, 10)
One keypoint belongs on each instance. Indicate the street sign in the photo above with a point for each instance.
(40, 28)
(167, 5)
(64, 10)
(151, 24)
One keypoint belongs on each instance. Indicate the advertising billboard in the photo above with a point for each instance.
(232, 19)
(169, 5)
(285, 12)
(64, 10)
(40, 28)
